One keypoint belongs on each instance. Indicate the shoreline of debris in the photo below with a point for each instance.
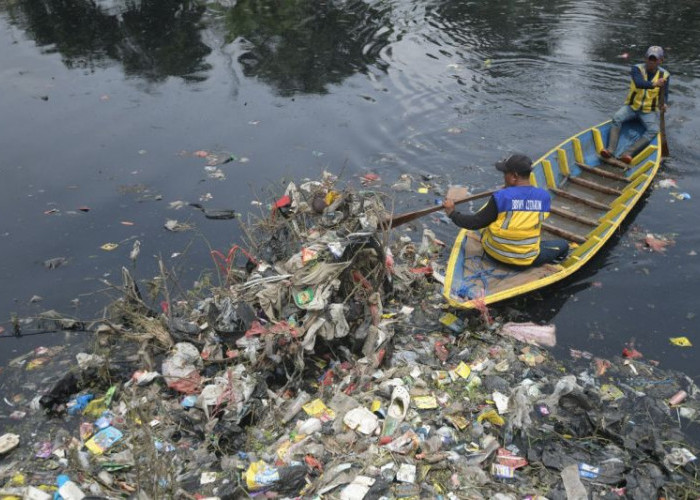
(325, 366)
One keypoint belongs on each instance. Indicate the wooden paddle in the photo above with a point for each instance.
(397, 220)
(662, 122)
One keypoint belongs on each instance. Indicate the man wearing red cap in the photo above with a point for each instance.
(648, 80)
(513, 218)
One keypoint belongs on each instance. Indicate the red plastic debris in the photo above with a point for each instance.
(285, 201)
(313, 463)
(284, 327)
(226, 263)
(631, 353)
(389, 262)
(440, 351)
(189, 384)
(374, 313)
(255, 329)
(379, 357)
(510, 459)
(327, 378)
(480, 305)
(369, 178)
(656, 244)
(358, 278)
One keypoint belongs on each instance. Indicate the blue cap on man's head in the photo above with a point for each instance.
(655, 51)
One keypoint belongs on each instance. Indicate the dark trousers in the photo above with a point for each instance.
(551, 250)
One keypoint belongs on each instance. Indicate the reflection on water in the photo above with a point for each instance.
(295, 46)
(301, 46)
(298, 46)
(152, 39)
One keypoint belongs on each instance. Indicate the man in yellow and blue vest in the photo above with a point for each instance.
(513, 218)
(648, 80)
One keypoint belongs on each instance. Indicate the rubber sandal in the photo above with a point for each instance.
(626, 158)
(605, 153)
(398, 407)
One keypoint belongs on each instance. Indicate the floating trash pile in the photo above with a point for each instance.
(325, 366)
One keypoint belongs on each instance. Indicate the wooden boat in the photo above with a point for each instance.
(591, 196)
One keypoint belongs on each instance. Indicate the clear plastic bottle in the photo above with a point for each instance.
(295, 407)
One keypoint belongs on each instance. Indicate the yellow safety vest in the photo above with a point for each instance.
(645, 100)
(514, 237)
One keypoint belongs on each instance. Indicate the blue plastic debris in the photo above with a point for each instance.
(588, 471)
(188, 401)
(78, 403)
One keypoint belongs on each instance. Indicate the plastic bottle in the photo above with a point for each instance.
(295, 407)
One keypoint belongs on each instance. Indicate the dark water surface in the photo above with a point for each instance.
(103, 103)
